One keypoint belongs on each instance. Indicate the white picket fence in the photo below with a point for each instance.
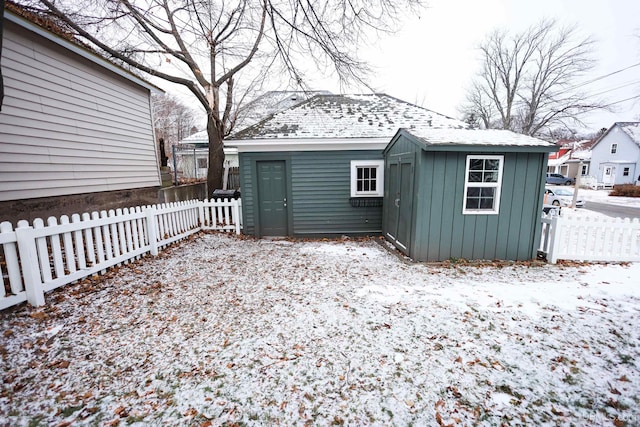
(42, 257)
(590, 239)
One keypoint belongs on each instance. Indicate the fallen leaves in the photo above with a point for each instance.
(39, 315)
(60, 364)
(264, 344)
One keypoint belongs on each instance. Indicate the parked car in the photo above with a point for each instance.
(558, 179)
(561, 197)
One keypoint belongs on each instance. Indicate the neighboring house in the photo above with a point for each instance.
(318, 168)
(572, 158)
(615, 157)
(76, 131)
(461, 193)
(192, 153)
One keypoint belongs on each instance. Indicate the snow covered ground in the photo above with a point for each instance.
(223, 330)
(602, 196)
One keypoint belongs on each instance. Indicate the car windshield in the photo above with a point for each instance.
(563, 192)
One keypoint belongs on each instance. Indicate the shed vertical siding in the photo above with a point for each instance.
(443, 232)
(320, 191)
(68, 126)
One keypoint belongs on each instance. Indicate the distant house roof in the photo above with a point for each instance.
(56, 33)
(346, 116)
(258, 109)
(562, 152)
(478, 139)
(632, 129)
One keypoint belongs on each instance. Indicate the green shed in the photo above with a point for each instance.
(317, 168)
(462, 193)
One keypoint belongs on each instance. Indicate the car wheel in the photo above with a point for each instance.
(556, 203)
(567, 183)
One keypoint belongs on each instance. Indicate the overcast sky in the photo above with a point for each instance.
(433, 58)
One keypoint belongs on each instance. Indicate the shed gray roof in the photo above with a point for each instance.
(482, 137)
(346, 116)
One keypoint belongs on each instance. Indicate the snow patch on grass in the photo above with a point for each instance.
(226, 330)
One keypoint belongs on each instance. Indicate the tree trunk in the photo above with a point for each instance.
(216, 156)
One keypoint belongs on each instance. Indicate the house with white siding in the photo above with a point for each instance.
(76, 130)
(615, 157)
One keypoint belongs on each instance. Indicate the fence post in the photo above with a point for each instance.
(201, 213)
(12, 260)
(554, 238)
(151, 230)
(236, 214)
(29, 260)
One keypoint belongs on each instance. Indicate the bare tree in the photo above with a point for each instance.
(214, 45)
(172, 120)
(529, 81)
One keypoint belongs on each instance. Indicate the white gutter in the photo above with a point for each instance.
(307, 144)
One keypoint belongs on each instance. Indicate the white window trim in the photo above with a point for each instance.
(497, 185)
(379, 165)
(614, 148)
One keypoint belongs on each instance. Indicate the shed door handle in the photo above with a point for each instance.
(397, 202)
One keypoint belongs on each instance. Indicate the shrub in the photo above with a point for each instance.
(627, 190)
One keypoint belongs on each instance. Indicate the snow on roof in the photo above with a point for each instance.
(581, 154)
(632, 129)
(489, 137)
(347, 116)
(263, 106)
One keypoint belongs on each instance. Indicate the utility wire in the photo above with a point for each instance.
(609, 104)
(588, 82)
(635, 82)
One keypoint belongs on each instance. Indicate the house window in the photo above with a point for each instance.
(202, 163)
(483, 180)
(367, 178)
(625, 172)
(614, 148)
(585, 170)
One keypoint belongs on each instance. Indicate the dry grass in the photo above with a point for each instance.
(626, 190)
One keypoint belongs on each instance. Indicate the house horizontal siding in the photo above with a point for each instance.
(319, 185)
(443, 232)
(68, 126)
(627, 155)
(321, 190)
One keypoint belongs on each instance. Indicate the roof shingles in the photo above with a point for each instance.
(347, 116)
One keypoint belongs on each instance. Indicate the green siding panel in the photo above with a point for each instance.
(320, 191)
(441, 230)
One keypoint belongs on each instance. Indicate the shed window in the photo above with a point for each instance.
(367, 178)
(614, 148)
(483, 180)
